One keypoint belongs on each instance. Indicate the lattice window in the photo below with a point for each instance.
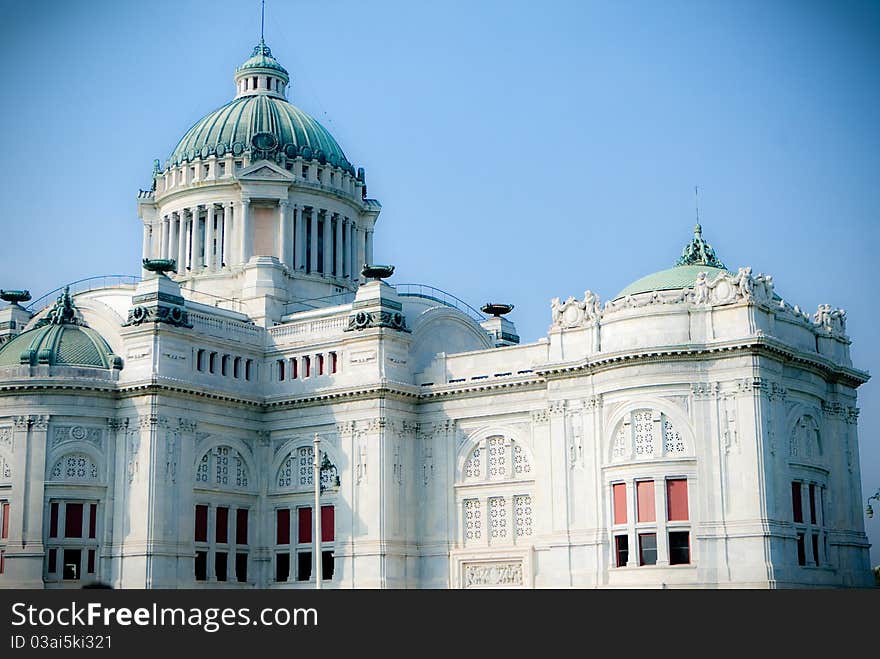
(473, 527)
(522, 516)
(285, 474)
(221, 462)
(202, 471)
(497, 458)
(521, 465)
(305, 466)
(673, 442)
(75, 467)
(621, 448)
(241, 472)
(643, 432)
(472, 467)
(498, 518)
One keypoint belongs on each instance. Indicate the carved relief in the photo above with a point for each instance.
(6, 438)
(502, 573)
(66, 434)
(575, 313)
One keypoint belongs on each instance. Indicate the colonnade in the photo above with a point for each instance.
(214, 236)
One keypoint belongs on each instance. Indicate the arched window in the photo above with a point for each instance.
(223, 468)
(805, 441)
(296, 471)
(497, 458)
(75, 467)
(644, 434)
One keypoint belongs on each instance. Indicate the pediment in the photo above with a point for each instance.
(265, 170)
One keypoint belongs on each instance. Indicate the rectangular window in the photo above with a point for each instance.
(201, 566)
(327, 524)
(282, 567)
(306, 366)
(53, 520)
(248, 369)
(647, 549)
(241, 526)
(52, 560)
(304, 566)
(305, 525)
(679, 547)
(801, 550)
(220, 565)
(73, 521)
(796, 502)
(280, 370)
(812, 491)
(677, 499)
(91, 562)
(222, 531)
(621, 550)
(327, 565)
(93, 520)
(645, 496)
(619, 495)
(294, 368)
(212, 362)
(71, 567)
(236, 367)
(320, 364)
(816, 549)
(241, 561)
(282, 526)
(334, 362)
(201, 531)
(4, 516)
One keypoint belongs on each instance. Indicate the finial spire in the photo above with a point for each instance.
(699, 252)
(697, 202)
(262, 18)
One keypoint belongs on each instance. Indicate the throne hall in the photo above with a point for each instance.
(693, 430)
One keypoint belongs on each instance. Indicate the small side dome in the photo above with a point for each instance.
(697, 256)
(60, 339)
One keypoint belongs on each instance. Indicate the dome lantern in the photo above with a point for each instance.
(261, 73)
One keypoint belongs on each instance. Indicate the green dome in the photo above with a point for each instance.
(681, 276)
(261, 58)
(233, 127)
(60, 340)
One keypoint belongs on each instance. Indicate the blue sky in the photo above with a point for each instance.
(522, 151)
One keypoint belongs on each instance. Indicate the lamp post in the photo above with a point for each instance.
(316, 477)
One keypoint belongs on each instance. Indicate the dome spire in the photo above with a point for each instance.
(699, 252)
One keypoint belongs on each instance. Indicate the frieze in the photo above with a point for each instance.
(174, 316)
(367, 319)
(506, 573)
(705, 389)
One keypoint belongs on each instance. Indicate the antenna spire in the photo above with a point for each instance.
(697, 202)
(262, 18)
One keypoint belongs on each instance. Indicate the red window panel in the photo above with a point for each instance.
(73, 520)
(241, 526)
(619, 496)
(305, 524)
(221, 532)
(328, 521)
(796, 502)
(93, 519)
(4, 514)
(53, 520)
(91, 562)
(334, 362)
(645, 496)
(677, 499)
(282, 526)
(320, 360)
(306, 367)
(812, 503)
(201, 534)
(294, 368)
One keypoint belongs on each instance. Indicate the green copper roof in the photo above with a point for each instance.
(697, 256)
(261, 58)
(233, 126)
(681, 276)
(59, 339)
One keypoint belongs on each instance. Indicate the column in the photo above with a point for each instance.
(226, 259)
(166, 231)
(209, 237)
(297, 238)
(360, 247)
(369, 248)
(350, 253)
(145, 248)
(339, 246)
(246, 240)
(190, 237)
(285, 239)
(181, 241)
(313, 248)
(328, 243)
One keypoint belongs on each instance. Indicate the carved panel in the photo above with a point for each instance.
(502, 573)
(66, 434)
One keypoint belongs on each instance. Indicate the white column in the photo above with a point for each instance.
(313, 248)
(246, 232)
(328, 243)
(209, 237)
(166, 231)
(339, 246)
(299, 239)
(191, 237)
(227, 235)
(285, 247)
(181, 241)
(350, 252)
(145, 248)
(369, 246)
(359, 245)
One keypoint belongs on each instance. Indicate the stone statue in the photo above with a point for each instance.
(701, 289)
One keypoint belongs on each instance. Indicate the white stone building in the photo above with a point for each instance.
(695, 430)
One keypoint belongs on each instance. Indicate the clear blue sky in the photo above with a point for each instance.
(521, 150)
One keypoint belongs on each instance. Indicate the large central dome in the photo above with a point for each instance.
(260, 118)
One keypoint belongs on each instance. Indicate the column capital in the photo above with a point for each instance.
(245, 200)
(284, 203)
